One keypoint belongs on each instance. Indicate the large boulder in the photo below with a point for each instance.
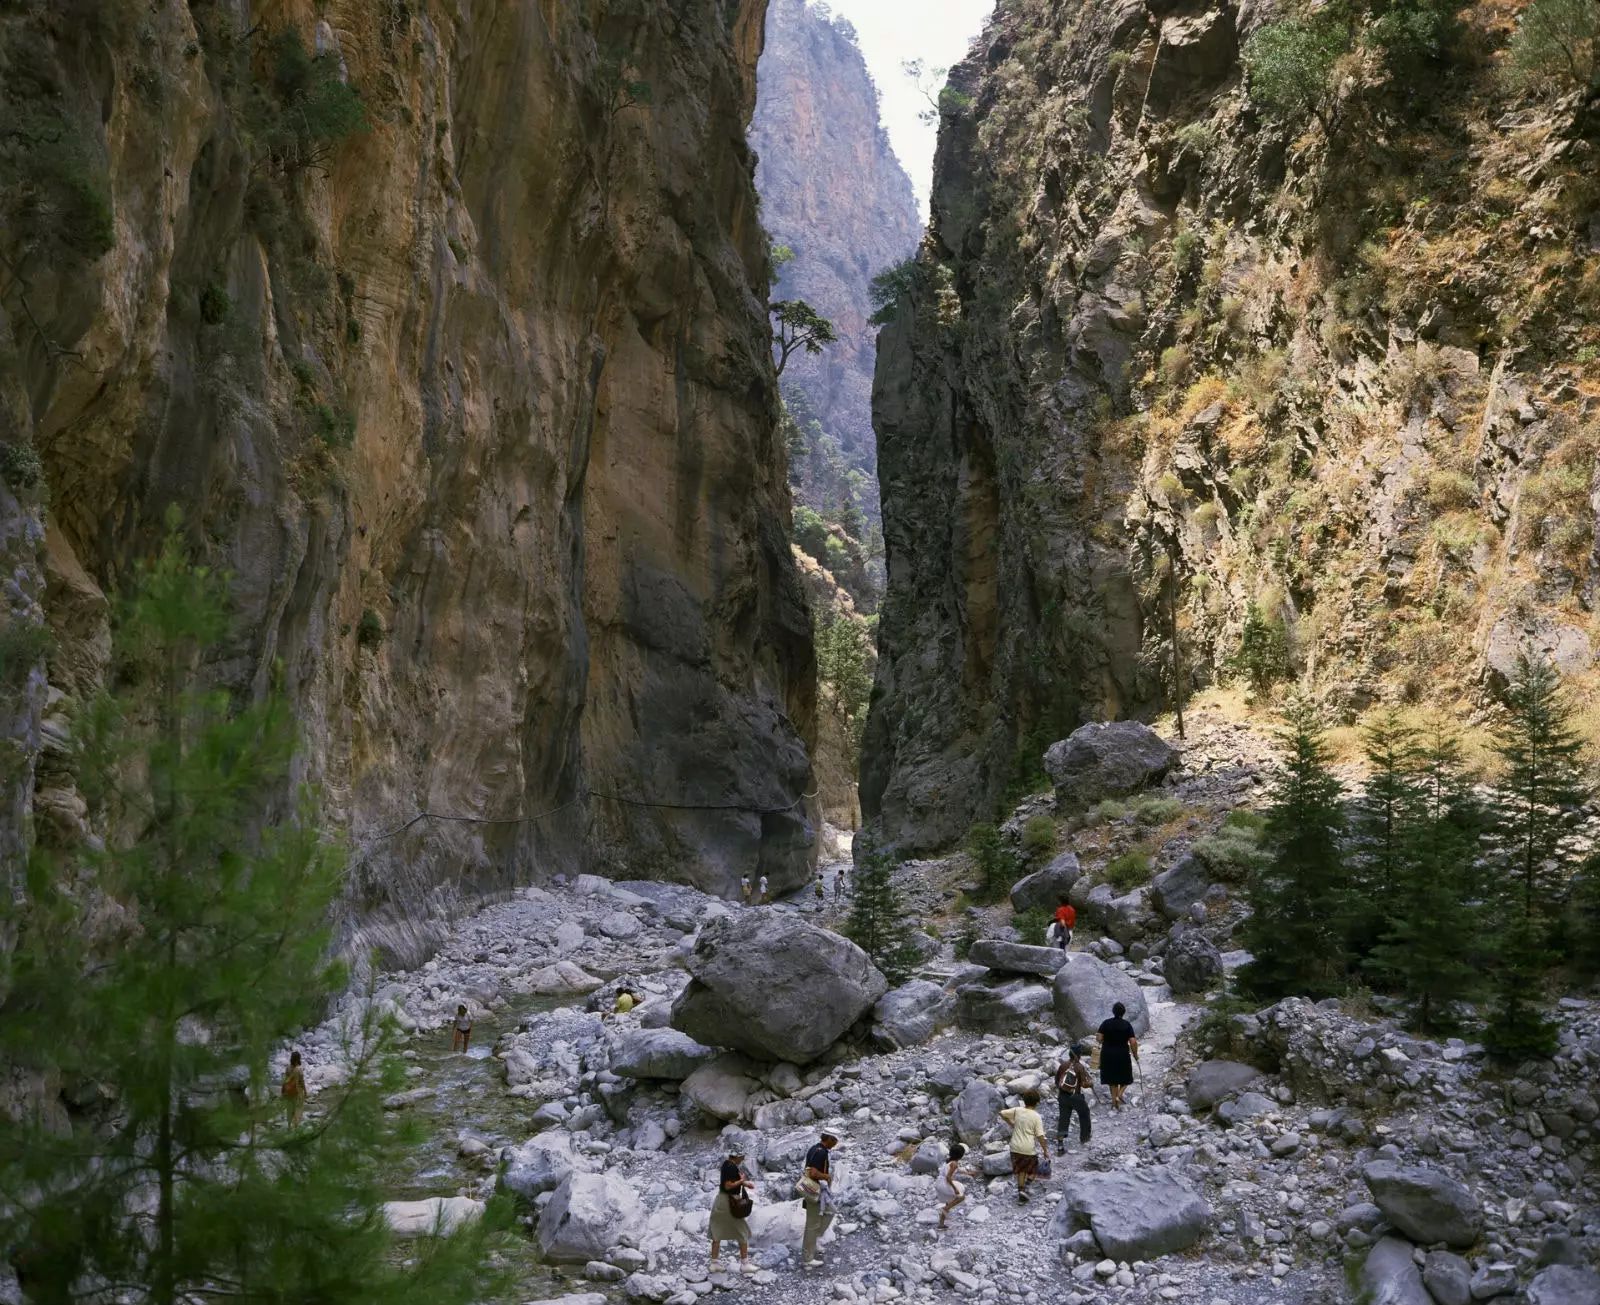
(767, 983)
(1174, 891)
(1191, 963)
(1217, 1080)
(1562, 1284)
(658, 1053)
(1448, 1278)
(911, 1014)
(722, 1089)
(1085, 990)
(1016, 958)
(1000, 1006)
(1426, 1205)
(782, 1223)
(1107, 759)
(1046, 889)
(974, 1110)
(1389, 1275)
(1134, 1214)
(540, 1164)
(437, 1214)
(588, 1214)
(1129, 918)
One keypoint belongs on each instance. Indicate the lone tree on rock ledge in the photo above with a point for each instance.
(799, 326)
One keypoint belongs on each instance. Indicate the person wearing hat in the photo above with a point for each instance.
(814, 1188)
(728, 1213)
(1073, 1085)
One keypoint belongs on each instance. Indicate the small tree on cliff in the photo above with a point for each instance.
(161, 972)
(877, 922)
(799, 326)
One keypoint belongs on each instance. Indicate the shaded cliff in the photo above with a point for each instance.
(833, 192)
(1306, 346)
(445, 325)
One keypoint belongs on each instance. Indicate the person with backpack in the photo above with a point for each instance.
(1065, 922)
(729, 1212)
(817, 1199)
(1073, 1086)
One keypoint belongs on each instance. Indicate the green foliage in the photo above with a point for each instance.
(1241, 819)
(305, 109)
(55, 200)
(892, 285)
(1233, 854)
(335, 427)
(1290, 66)
(214, 303)
(878, 923)
(1584, 927)
(799, 326)
(1411, 32)
(1128, 871)
(20, 466)
(1555, 46)
(1384, 819)
(1297, 895)
(1263, 654)
(1104, 811)
(23, 644)
(193, 1184)
(1031, 925)
(1187, 247)
(778, 257)
(1156, 810)
(844, 672)
(1518, 1029)
(1039, 836)
(811, 532)
(995, 863)
(369, 630)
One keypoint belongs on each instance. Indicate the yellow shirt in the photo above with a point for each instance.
(624, 1003)
(1026, 1126)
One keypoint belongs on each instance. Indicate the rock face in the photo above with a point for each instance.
(587, 1214)
(722, 1089)
(1086, 988)
(912, 1013)
(1001, 1005)
(1107, 759)
(1217, 1080)
(774, 986)
(1046, 889)
(1173, 892)
(1192, 963)
(1016, 958)
(1424, 1204)
(658, 1053)
(1134, 1216)
(1389, 1275)
(541, 1164)
(1071, 411)
(1563, 1284)
(478, 410)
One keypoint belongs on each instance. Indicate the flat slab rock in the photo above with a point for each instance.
(1217, 1080)
(1134, 1215)
(1016, 958)
(1425, 1204)
(436, 1214)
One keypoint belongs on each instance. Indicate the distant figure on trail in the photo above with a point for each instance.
(1119, 1048)
(838, 883)
(1027, 1139)
(744, 889)
(626, 1000)
(766, 893)
(729, 1210)
(294, 1089)
(461, 1030)
(1073, 1085)
(1066, 921)
(817, 1199)
(950, 1191)
(819, 885)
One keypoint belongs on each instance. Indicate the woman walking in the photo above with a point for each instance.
(1028, 1138)
(294, 1089)
(728, 1213)
(950, 1191)
(1119, 1048)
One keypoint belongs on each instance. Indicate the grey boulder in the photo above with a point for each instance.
(1426, 1205)
(1046, 889)
(1107, 759)
(1562, 1284)
(541, 1164)
(722, 1089)
(1217, 1080)
(587, 1214)
(1129, 918)
(1448, 1278)
(1173, 892)
(911, 1014)
(1389, 1275)
(1000, 1006)
(658, 1053)
(974, 1110)
(1191, 963)
(929, 1157)
(1016, 958)
(1135, 1214)
(1085, 990)
(769, 984)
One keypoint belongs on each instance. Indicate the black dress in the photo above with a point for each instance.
(1116, 1061)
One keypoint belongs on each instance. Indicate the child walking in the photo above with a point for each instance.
(950, 1191)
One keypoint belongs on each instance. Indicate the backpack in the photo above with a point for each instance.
(1068, 918)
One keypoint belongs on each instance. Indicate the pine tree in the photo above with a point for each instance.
(1517, 1028)
(1585, 928)
(1434, 941)
(165, 967)
(877, 922)
(1386, 812)
(1296, 931)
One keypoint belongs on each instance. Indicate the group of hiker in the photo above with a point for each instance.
(759, 893)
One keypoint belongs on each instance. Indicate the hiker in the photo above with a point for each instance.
(818, 1201)
(627, 999)
(838, 883)
(1119, 1048)
(744, 889)
(1073, 1084)
(766, 894)
(819, 885)
(1027, 1137)
(461, 1030)
(1066, 921)
(294, 1089)
(948, 1190)
(729, 1211)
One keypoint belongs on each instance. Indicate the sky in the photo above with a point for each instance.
(892, 31)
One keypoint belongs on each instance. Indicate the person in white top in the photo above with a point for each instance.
(765, 895)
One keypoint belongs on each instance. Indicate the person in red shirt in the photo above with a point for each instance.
(1066, 921)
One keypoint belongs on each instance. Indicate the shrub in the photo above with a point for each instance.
(369, 630)
(1409, 32)
(1554, 49)
(1263, 655)
(995, 863)
(335, 427)
(1103, 812)
(1157, 811)
(1290, 66)
(1128, 871)
(1039, 836)
(1450, 490)
(214, 304)
(310, 109)
(890, 286)
(1032, 925)
(20, 466)
(1187, 246)
(1174, 366)
(1230, 854)
(1240, 818)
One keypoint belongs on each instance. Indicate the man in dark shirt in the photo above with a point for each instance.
(819, 1208)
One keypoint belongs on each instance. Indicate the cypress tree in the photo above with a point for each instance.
(877, 922)
(1433, 944)
(165, 967)
(1296, 931)
(1389, 808)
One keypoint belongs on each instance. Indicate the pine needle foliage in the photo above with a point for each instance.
(156, 975)
(1385, 815)
(878, 923)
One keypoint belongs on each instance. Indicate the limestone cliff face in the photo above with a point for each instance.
(834, 192)
(476, 401)
(1172, 353)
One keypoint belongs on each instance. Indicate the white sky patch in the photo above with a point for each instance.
(893, 31)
